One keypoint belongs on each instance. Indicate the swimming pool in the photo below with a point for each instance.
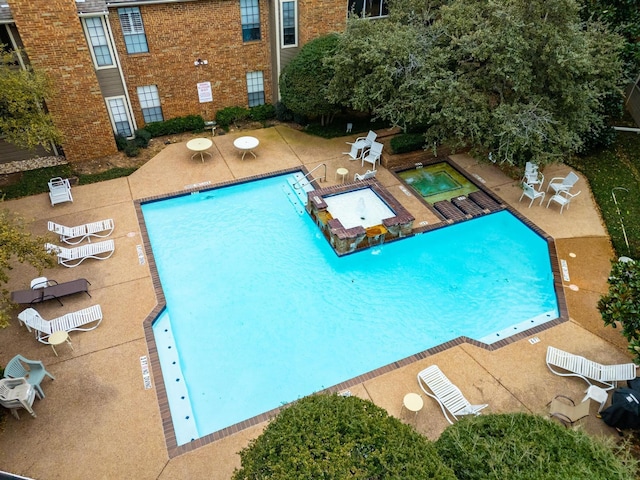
(259, 315)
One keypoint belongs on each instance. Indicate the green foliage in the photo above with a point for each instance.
(17, 244)
(283, 114)
(23, 119)
(304, 81)
(121, 142)
(529, 447)
(260, 113)
(117, 172)
(190, 123)
(333, 437)
(142, 137)
(407, 142)
(131, 149)
(337, 128)
(621, 304)
(35, 181)
(229, 115)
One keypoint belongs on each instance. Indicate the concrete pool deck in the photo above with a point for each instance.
(98, 421)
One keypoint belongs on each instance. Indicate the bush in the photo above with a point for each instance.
(117, 172)
(229, 115)
(334, 437)
(283, 114)
(407, 142)
(142, 138)
(131, 150)
(190, 123)
(523, 446)
(260, 113)
(35, 181)
(121, 142)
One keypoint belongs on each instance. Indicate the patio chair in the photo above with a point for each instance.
(532, 175)
(59, 190)
(448, 396)
(368, 174)
(32, 370)
(530, 192)
(16, 393)
(565, 409)
(562, 198)
(372, 154)
(52, 291)
(358, 146)
(72, 257)
(570, 365)
(563, 183)
(75, 235)
(82, 320)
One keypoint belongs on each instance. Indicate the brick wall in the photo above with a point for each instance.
(318, 18)
(55, 44)
(180, 33)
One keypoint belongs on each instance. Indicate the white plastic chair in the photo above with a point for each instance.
(563, 183)
(562, 198)
(532, 175)
(365, 176)
(359, 145)
(16, 393)
(32, 370)
(72, 257)
(75, 235)
(372, 154)
(530, 192)
(59, 190)
(448, 396)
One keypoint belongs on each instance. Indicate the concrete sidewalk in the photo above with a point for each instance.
(99, 421)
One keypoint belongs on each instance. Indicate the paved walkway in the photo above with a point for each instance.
(98, 421)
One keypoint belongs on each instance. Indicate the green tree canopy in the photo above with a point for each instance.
(16, 243)
(303, 82)
(334, 437)
(523, 79)
(23, 119)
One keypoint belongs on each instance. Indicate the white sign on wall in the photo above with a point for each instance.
(204, 92)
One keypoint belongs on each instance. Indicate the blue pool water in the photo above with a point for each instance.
(261, 311)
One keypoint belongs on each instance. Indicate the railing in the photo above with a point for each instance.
(323, 179)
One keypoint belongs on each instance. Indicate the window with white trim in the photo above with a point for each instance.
(98, 41)
(250, 18)
(255, 88)
(289, 13)
(119, 116)
(150, 103)
(369, 8)
(133, 30)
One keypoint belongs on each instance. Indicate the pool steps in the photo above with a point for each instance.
(297, 194)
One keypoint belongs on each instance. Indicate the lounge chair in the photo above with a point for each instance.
(562, 198)
(563, 183)
(16, 393)
(81, 320)
(75, 235)
(566, 410)
(372, 154)
(530, 192)
(52, 291)
(32, 370)
(577, 366)
(72, 257)
(59, 190)
(368, 174)
(448, 396)
(358, 146)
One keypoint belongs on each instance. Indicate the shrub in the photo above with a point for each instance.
(121, 142)
(527, 446)
(334, 437)
(142, 138)
(117, 172)
(283, 114)
(229, 115)
(131, 150)
(260, 113)
(407, 142)
(35, 181)
(190, 123)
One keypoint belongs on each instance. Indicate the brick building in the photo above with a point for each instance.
(116, 65)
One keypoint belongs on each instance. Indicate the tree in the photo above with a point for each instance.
(334, 437)
(621, 304)
(23, 119)
(17, 244)
(525, 80)
(303, 82)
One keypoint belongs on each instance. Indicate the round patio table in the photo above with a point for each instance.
(200, 146)
(246, 144)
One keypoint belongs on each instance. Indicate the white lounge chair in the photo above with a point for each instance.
(562, 198)
(563, 183)
(448, 396)
(72, 257)
(59, 190)
(372, 154)
(16, 393)
(530, 192)
(358, 146)
(588, 370)
(81, 320)
(365, 176)
(75, 235)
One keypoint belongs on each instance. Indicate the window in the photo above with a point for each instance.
(98, 42)
(150, 103)
(289, 23)
(133, 30)
(255, 87)
(369, 8)
(250, 16)
(119, 117)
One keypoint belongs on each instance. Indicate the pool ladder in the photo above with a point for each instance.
(299, 184)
